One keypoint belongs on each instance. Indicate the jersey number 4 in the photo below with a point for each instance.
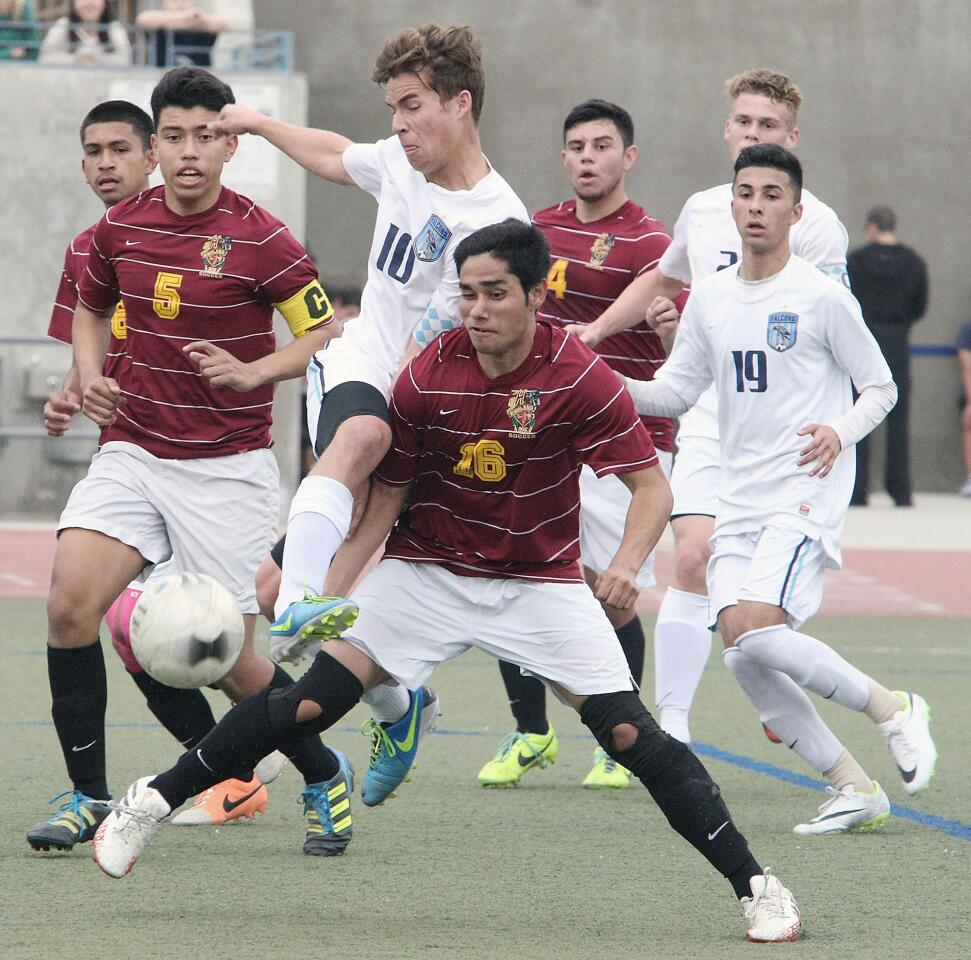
(483, 459)
(750, 371)
(557, 279)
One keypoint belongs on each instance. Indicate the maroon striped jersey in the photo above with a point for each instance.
(495, 464)
(215, 276)
(592, 265)
(62, 315)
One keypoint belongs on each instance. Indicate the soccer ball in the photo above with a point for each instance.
(186, 630)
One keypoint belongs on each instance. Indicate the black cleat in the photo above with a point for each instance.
(76, 821)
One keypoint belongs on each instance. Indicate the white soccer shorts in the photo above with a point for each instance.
(777, 565)
(696, 476)
(417, 615)
(213, 515)
(603, 513)
(340, 362)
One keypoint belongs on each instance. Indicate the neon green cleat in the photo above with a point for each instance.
(607, 773)
(518, 753)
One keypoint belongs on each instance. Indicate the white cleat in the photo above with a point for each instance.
(848, 810)
(909, 742)
(128, 829)
(771, 912)
(270, 767)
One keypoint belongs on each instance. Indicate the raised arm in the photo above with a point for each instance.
(630, 307)
(319, 151)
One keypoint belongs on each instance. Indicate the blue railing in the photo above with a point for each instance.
(235, 51)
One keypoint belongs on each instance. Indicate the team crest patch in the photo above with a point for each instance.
(600, 250)
(431, 242)
(522, 410)
(214, 253)
(781, 332)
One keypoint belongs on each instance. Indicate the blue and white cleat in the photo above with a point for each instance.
(393, 747)
(306, 622)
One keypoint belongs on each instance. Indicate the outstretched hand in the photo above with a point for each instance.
(235, 118)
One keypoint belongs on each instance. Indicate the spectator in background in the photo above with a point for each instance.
(890, 281)
(346, 301)
(180, 33)
(87, 35)
(19, 38)
(964, 359)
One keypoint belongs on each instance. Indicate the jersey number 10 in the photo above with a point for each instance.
(750, 371)
(402, 256)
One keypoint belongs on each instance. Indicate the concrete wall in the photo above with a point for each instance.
(885, 121)
(45, 203)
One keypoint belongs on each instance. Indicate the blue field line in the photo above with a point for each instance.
(954, 828)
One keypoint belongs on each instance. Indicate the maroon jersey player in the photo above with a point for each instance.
(600, 241)
(489, 428)
(185, 469)
(116, 162)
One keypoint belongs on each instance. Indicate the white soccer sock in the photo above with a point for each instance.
(320, 516)
(786, 710)
(682, 645)
(810, 662)
(388, 701)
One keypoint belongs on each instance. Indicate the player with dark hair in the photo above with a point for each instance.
(434, 186)
(184, 470)
(601, 241)
(507, 409)
(782, 343)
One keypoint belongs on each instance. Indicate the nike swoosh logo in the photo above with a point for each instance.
(93, 742)
(282, 627)
(230, 805)
(908, 775)
(409, 741)
(132, 243)
(839, 813)
(443, 413)
(711, 836)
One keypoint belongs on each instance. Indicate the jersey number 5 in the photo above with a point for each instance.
(483, 459)
(167, 300)
(750, 370)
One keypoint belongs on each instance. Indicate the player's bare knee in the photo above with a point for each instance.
(308, 710)
(72, 619)
(691, 566)
(623, 736)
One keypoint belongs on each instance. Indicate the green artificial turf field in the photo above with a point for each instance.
(546, 870)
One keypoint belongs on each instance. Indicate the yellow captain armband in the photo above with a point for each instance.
(306, 309)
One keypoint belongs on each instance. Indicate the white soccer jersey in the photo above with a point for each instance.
(706, 241)
(781, 353)
(411, 268)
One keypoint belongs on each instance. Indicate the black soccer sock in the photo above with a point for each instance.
(259, 725)
(631, 637)
(79, 698)
(527, 699)
(315, 762)
(678, 782)
(186, 714)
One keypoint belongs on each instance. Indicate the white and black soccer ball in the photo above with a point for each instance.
(186, 630)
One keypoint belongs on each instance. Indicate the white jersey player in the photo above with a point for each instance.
(434, 186)
(781, 343)
(764, 107)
